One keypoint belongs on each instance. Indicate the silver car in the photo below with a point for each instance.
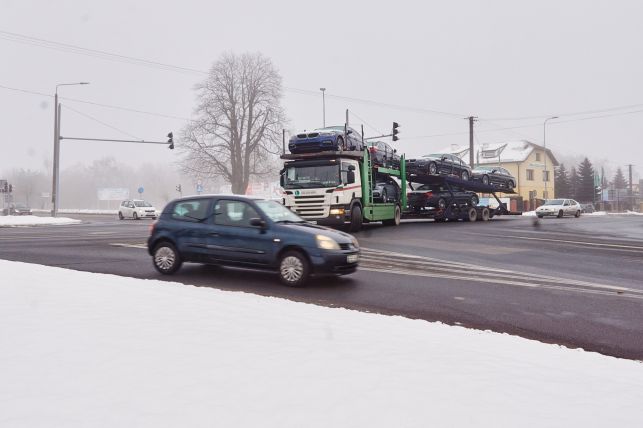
(559, 208)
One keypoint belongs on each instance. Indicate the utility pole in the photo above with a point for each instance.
(323, 91)
(471, 120)
(631, 190)
(545, 172)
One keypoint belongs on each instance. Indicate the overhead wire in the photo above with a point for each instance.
(101, 122)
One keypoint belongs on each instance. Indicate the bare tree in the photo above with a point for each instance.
(238, 121)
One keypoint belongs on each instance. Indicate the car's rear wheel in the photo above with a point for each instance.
(474, 200)
(464, 175)
(356, 219)
(433, 168)
(560, 214)
(442, 203)
(384, 195)
(577, 214)
(166, 258)
(397, 216)
(510, 184)
(340, 144)
(120, 216)
(293, 268)
(485, 180)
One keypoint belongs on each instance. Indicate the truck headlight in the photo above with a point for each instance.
(337, 211)
(326, 243)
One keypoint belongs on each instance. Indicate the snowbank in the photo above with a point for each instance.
(529, 213)
(79, 211)
(81, 349)
(32, 220)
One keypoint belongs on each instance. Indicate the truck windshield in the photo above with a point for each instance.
(309, 176)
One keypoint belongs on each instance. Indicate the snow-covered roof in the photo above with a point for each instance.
(507, 151)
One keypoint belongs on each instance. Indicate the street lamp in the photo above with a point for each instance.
(56, 169)
(323, 91)
(546, 177)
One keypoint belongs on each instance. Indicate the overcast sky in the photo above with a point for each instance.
(493, 59)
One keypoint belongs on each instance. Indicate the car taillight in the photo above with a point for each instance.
(372, 149)
(428, 194)
(152, 226)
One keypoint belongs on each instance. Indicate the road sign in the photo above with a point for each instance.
(141, 190)
(199, 188)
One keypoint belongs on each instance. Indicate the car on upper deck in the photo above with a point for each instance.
(248, 232)
(382, 154)
(331, 138)
(439, 164)
(494, 175)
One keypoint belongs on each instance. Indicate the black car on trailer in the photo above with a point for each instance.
(493, 175)
(439, 164)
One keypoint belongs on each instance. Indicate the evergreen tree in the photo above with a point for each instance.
(619, 180)
(585, 187)
(573, 183)
(561, 182)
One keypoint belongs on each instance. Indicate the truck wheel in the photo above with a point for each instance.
(433, 168)
(293, 269)
(356, 219)
(397, 216)
(472, 214)
(484, 214)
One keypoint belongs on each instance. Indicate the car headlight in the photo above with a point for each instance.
(354, 242)
(326, 243)
(326, 134)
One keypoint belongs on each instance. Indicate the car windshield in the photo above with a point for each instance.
(277, 212)
(331, 128)
(310, 176)
(425, 187)
(142, 204)
(554, 202)
(434, 155)
(485, 168)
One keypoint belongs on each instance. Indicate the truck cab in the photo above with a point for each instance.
(323, 188)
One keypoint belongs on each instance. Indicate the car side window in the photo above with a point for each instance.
(234, 213)
(193, 210)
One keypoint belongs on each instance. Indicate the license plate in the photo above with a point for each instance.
(352, 258)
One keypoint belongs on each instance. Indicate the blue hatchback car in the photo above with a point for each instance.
(324, 139)
(248, 232)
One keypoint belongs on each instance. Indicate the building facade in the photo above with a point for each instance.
(531, 164)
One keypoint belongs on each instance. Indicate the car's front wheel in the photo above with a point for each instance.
(135, 216)
(474, 200)
(120, 216)
(485, 180)
(577, 214)
(166, 258)
(510, 184)
(442, 203)
(340, 144)
(560, 214)
(433, 168)
(465, 176)
(293, 269)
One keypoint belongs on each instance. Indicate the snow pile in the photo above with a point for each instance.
(529, 213)
(628, 212)
(78, 211)
(91, 350)
(32, 220)
(599, 213)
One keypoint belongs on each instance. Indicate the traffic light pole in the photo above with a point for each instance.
(56, 179)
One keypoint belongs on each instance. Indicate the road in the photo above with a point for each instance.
(574, 282)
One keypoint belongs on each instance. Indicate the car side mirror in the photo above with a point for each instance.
(351, 167)
(350, 176)
(281, 180)
(443, 158)
(349, 131)
(257, 222)
(394, 150)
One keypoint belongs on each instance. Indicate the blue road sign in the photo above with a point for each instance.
(141, 190)
(199, 188)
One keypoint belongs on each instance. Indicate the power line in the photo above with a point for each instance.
(578, 113)
(101, 122)
(100, 54)
(365, 123)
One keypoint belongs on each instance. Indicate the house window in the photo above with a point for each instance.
(532, 195)
(545, 194)
(537, 157)
(545, 175)
(530, 174)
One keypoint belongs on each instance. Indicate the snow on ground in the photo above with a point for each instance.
(529, 213)
(78, 211)
(32, 220)
(90, 350)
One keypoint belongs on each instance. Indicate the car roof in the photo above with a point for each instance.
(220, 196)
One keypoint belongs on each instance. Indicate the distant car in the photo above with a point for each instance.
(17, 209)
(433, 196)
(330, 138)
(587, 208)
(136, 209)
(494, 176)
(559, 208)
(248, 232)
(439, 164)
(383, 154)
(386, 190)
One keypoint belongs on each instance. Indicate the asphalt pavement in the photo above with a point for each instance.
(574, 282)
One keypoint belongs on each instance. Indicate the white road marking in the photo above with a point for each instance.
(118, 244)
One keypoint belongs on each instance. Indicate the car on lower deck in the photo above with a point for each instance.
(331, 138)
(136, 209)
(494, 176)
(439, 164)
(386, 190)
(559, 208)
(433, 197)
(248, 232)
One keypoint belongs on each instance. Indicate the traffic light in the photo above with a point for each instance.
(598, 190)
(6, 187)
(10, 188)
(178, 188)
(395, 131)
(170, 140)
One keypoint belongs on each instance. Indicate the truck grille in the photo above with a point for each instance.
(310, 206)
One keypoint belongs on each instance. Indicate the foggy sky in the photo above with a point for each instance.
(491, 59)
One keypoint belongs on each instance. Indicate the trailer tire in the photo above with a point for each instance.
(356, 219)
(395, 221)
(484, 214)
(472, 214)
